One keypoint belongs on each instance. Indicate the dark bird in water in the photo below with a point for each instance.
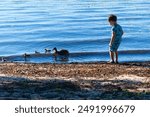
(61, 52)
(47, 51)
(26, 55)
(36, 52)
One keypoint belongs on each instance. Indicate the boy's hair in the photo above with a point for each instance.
(112, 18)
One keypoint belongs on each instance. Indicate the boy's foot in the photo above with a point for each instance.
(117, 62)
(111, 62)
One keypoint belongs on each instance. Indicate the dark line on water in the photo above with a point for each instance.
(84, 53)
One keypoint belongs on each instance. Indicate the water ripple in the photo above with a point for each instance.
(77, 25)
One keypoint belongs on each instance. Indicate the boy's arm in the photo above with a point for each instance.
(112, 39)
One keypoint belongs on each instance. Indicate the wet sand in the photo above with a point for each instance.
(75, 81)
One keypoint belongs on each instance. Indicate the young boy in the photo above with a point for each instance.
(116, 38)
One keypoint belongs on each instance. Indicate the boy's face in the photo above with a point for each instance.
(112, 23)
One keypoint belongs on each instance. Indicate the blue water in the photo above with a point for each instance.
(77, 25)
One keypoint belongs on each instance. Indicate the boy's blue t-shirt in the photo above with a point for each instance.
(118, 32)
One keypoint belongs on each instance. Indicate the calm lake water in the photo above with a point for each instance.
(77, 25)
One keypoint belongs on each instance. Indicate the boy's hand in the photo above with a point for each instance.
(110, 44)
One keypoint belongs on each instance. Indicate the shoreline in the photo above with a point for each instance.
(75, 81)
(79, 57)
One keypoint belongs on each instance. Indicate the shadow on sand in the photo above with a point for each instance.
(12, 88)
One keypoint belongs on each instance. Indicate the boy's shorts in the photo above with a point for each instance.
(114, 47)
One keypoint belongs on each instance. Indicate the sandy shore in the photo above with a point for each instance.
(75, 81)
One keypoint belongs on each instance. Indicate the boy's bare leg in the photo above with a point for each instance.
(111, 56)
(116, 56)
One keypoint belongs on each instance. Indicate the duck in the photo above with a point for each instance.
(47, 51)
(26, 55)
(62, 52)
(36, 52)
